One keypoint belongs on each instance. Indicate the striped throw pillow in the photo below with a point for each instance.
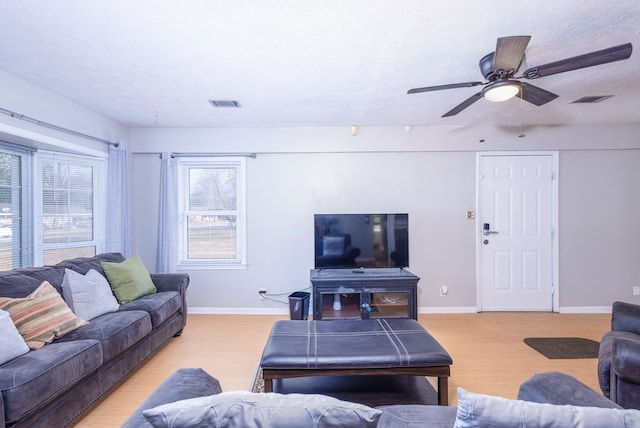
(41, 316)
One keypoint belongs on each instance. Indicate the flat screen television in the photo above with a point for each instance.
(344, 241)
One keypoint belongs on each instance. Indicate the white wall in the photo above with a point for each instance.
(27, 99)
(599, 226)
(285, 190)
(429, 173)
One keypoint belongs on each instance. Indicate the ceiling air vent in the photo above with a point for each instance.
(591, 99)
(225, 103)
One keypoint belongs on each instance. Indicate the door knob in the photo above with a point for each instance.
(486, 229)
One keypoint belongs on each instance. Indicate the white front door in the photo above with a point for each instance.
(516, 212)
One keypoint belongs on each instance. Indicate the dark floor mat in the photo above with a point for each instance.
(564, 347)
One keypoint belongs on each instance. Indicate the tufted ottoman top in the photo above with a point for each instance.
(351, 344)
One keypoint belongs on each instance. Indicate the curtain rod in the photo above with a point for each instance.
(55, 127)
(208, 155)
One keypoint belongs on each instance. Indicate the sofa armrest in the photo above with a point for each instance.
(181, 385)
(625, 317)
(559, 388)
(171, 281)
(625, 358)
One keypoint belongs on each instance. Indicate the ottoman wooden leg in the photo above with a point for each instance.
(443, 391)
(268, 383)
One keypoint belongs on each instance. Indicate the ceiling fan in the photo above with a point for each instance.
(500, 67)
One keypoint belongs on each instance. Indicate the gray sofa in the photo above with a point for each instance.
(550, 399)
(52, 386)
(619, 356)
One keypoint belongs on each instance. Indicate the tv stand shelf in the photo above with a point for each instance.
(364, 293)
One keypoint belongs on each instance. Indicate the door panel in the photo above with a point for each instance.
(516, 256)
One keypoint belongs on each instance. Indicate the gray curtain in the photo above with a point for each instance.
(167, 249)
(118, 227)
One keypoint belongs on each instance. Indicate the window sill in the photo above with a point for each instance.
(211, 266)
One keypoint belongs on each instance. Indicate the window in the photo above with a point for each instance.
(52, 206)
(15, 208)
(69, 207)
(212, 211)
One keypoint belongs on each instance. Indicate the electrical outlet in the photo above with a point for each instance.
(444, 290)
(636, 290)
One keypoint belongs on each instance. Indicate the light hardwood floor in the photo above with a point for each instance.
(487, 349)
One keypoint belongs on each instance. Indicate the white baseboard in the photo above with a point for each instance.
(421, 310)
(448, 310)
(585, 309)
(473, 309)
(237, 311)
(278, 311)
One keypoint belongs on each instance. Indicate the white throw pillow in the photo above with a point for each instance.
(88, 295)
(258, 410)
(12, 344)
(478, 411)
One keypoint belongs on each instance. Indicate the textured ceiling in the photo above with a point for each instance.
(294, 63)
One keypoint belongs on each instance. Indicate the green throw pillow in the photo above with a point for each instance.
(129, 280)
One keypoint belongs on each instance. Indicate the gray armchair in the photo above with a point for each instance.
(619, 357)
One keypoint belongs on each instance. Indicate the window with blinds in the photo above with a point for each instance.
(212, 211)
(16, 211)
(52, 206)
(69, 210)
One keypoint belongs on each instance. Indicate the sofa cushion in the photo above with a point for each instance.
(88, 295)
(159, 305)
(129, 279)
(248, 409)
(477, 410)
(11, 343)
(85, 264)
(22, 282)
(116, 331)
(41, 316)
(40, 375)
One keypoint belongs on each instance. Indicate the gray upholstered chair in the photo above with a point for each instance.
(619, 357)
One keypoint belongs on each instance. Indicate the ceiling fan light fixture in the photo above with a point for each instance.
(501, 90)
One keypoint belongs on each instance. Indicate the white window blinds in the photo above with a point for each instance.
(16, 237)
(70, 195)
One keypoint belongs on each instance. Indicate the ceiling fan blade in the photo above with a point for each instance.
(509, 52)
(615, 53)
(535, 95)
(441, 87)
(463, 105)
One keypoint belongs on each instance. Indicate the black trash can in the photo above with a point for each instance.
(299, 305)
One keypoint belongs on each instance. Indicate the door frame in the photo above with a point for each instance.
(555, 280)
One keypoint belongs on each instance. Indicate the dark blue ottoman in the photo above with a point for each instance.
(380, 347)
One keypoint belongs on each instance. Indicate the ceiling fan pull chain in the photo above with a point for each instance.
(521, 118)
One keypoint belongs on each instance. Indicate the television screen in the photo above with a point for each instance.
(361, 240)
